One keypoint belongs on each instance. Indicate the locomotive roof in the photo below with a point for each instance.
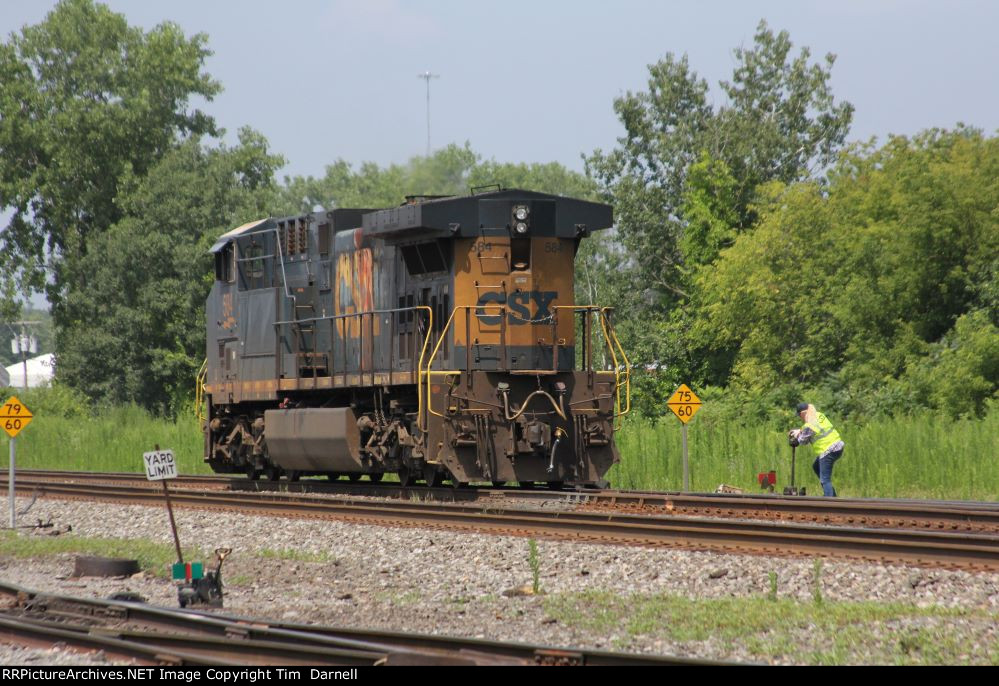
(339, 218)
(249, 227)
(483, 213)
(459, 216)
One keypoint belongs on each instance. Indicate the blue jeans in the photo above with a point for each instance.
(823, 470)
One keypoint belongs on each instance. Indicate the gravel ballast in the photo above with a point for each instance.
(431, 581)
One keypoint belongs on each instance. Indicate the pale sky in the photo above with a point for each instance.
(535, 81)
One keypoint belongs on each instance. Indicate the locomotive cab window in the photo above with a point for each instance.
(224, 264)
(251, 266)
(425, 258)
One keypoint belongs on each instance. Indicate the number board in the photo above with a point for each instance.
(14, 416)
(684, 403)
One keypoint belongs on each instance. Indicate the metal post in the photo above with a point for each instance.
(173, 524)
(10, 484)
(686, 465)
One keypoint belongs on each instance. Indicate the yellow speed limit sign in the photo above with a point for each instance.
(684, 403)
(14, 416)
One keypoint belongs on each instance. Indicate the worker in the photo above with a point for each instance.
(825, 441)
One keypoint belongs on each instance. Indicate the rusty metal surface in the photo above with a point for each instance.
(958, 516)
(185, 637)
(927, 548)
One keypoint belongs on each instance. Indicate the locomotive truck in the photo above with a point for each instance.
(437, 340)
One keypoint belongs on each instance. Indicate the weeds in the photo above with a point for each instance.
(817, 581)
(534, 560)
(772, 596)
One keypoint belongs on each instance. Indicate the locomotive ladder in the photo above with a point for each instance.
(309, 361)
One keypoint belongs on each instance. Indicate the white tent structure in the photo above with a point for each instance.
(41, 369)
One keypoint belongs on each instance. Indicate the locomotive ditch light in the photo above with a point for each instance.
(521, 227)
(520, 213)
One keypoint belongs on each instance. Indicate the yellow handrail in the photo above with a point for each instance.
(199, 391)
(605, 322)
(610, 339)
(437, 347)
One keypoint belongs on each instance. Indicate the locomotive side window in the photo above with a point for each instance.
(255, 263)
(424, 258)
(224, 267)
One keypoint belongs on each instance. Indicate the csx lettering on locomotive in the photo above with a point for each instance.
(519, 305)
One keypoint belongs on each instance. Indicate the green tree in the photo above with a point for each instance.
(85, 102)
(137, 332)
(871, 292)
(451, 170)
(685, 176)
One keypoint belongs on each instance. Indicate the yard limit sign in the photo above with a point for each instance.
(685, 404)
(14, 416)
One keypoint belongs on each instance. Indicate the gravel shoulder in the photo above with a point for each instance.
(437, 582)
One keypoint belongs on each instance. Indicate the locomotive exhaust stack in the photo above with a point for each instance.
(435, 339)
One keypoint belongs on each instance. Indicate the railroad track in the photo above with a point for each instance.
(955, 516)
(949, 549)
(159, 635)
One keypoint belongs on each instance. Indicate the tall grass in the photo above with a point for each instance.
(922, 456)
(102, 440)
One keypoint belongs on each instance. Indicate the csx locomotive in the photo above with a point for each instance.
(437, 340)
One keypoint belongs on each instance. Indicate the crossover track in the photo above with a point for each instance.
(165, 636)
(956, 550)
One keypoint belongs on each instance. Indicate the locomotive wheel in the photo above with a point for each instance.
(376, 476)
(354, 476)
(294, 475)
(252, 473)
(432, 475)
(499, 484)
(527, 485)
(405, 476)
(273, 473)
(332, 476)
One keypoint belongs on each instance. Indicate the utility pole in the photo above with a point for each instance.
(22, 344)
(426, 76)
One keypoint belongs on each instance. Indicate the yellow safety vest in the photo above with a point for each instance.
(825, 434)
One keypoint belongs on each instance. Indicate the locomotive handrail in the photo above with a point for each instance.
(430, 361)
(199, 391)
(365, 313)
(610, 339)
(606, 324)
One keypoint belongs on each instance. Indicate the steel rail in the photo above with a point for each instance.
(194, 636)
(934, 548)
(969, 516)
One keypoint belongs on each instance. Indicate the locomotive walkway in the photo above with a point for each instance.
(922, 546)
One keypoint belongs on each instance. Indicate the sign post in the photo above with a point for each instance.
(14, 416)
(684, 403)
(161, 466)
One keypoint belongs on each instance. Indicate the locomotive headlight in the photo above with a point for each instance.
(520, 213)
(521, 227)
